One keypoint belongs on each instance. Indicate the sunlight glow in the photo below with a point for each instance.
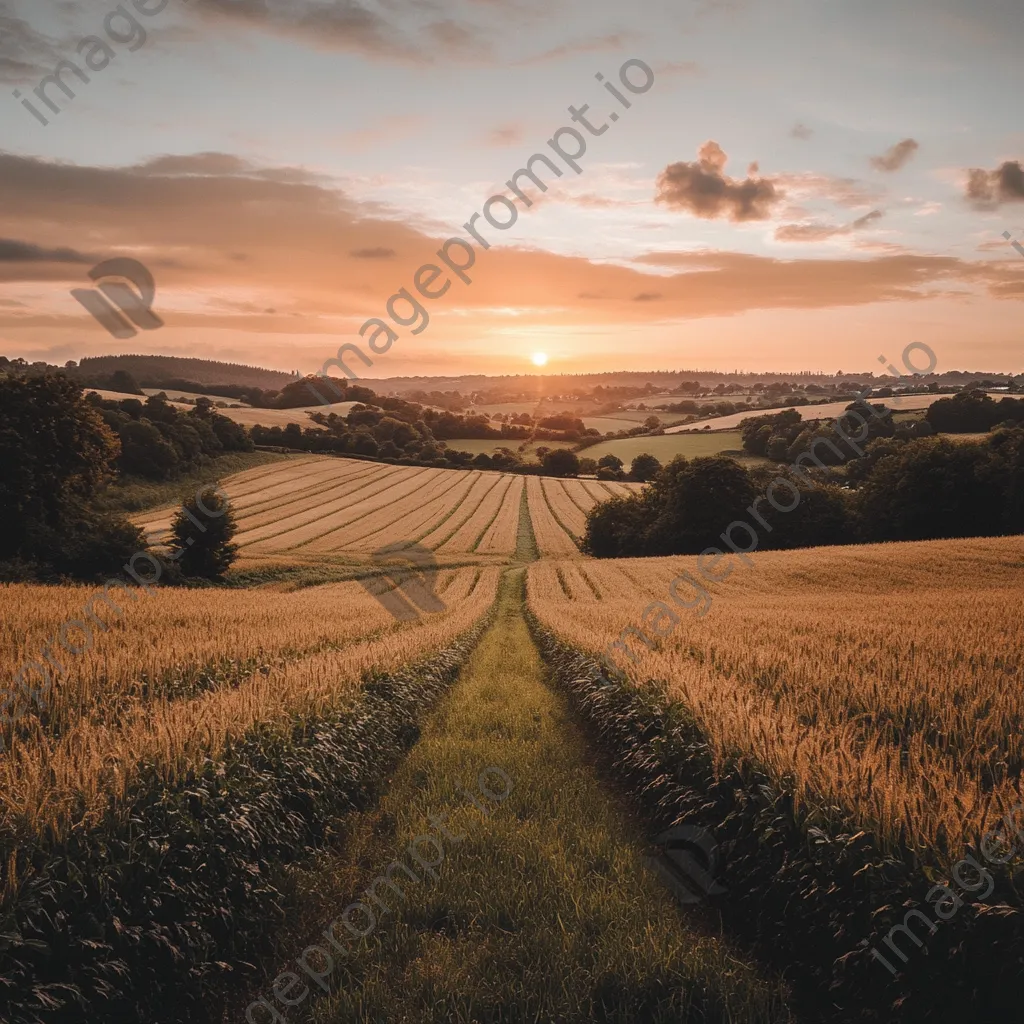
(540, 358)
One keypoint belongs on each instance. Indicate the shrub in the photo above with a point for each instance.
(202, 536)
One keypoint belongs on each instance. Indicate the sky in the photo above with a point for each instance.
(800, 184)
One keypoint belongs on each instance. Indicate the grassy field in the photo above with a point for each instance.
(133, 494)
(541, 907)
(665, 447)
(526, 450)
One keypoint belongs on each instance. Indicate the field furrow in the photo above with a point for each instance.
(423, 519)
(383, 513)
(552, 538)
(302, 528)
(500, 535)
(448, 530)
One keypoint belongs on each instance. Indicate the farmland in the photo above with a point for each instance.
(182, 674)
(822, 676)
(665, 447)
(845, 701)
(244, 414)
(823, 411)
(324, 507)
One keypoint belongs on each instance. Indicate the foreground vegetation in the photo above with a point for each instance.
(144, 917)
(217, 664)
(847, 722)
(543, 909)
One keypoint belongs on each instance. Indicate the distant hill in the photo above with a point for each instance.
(152, 371)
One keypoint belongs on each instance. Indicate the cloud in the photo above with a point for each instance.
(987, 189)
(678, 67)
(824, 232)
(615, 41)
(896, 156)
(25, 54)
(12, 251)
(377, 253)
(348, 25)
(703, 189)
(305, 244)
(849, 192)
(801, 131)
(506, 135)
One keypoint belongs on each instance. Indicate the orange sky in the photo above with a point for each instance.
(723, 221)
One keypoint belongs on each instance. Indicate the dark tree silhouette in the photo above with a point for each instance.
(202, 531)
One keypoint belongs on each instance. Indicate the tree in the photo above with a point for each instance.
(694, 502)
(56, 452)
(931, 488)
(561, 462)
(202, 532)
(588, 467)
(644, 467)
(612, 528)
(125, 383)
(610, 461)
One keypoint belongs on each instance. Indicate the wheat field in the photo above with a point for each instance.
(883, 679)
(186, 672)
(315, 507)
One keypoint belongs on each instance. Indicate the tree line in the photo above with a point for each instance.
(902, 488)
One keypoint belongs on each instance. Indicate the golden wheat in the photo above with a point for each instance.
(51, 780)
(885, 679)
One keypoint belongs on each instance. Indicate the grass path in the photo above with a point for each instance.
(541, 909)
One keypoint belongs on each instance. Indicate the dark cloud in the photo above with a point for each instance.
(990, 188)
(801, 131)
(647, 297)
(377, 253)
(25, 54)
(868, 218)
(809, 233)
(896, 156)
(348, 25)
(12, 251)
(703, 189)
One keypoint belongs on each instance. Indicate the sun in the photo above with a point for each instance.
(539, 358)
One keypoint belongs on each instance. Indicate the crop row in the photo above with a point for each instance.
(51, 781)
(810, 892)
(141, 917)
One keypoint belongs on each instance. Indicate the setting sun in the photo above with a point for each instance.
(540, 358)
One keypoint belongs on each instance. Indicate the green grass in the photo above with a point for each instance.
(134, 494)
(541, 909)
(527, 451)
(666, 446)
